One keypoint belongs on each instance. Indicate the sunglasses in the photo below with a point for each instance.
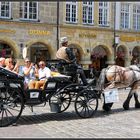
(27, 61)
(41, 64)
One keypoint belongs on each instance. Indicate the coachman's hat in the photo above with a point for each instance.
(63, 39)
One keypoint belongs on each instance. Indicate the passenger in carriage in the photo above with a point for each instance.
(10, 66)
(30, 73)
(66, 53)
(43, 74)
(2, 62)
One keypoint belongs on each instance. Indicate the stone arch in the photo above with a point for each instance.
(124, 48)
(44, 42)
(100, 59)
(108, 49)
(12, 44)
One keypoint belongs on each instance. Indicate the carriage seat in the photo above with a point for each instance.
(58, 79)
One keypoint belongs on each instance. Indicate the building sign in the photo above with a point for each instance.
(129, 38)
(87, 35)
(7, 31)
(138, 38)
(38, 32)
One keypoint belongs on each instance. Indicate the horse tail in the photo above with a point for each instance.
(101, 80)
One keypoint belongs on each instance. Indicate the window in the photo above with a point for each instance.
(136, 17)
(5, 9)
(104, 13)
(29, 10)
(125, 16)
(71, 12)
(87, 12)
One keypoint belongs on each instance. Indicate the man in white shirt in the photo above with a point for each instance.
(43, 73)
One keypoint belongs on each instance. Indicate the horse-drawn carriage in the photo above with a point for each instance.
(58, 91)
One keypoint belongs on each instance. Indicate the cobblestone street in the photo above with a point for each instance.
(42, 123)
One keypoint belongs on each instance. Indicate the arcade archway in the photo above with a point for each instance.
(99, 58)
(38, 52)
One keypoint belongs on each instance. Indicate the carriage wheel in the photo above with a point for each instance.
(62, 99)
(11, 105)
(86, 103)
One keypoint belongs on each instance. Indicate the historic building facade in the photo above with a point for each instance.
(91, 28)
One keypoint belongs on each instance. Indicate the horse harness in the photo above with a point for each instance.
(121, 73)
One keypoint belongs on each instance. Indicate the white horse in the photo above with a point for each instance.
(115, 76)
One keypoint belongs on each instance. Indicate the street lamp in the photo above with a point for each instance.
(57, 24)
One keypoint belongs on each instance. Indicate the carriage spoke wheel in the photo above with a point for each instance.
(11, 105)
(86, 104)
(62, 99)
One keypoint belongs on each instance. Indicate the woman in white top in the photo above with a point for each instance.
(29, 72)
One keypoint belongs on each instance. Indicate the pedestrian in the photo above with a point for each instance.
(66, 53)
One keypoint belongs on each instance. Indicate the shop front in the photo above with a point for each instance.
(39, 52)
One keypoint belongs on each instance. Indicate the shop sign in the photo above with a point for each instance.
(38, 32)
(87, 35)
(129, 38)
(7, 31)
(138, 38)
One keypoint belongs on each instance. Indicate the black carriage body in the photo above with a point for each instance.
(52, 85)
